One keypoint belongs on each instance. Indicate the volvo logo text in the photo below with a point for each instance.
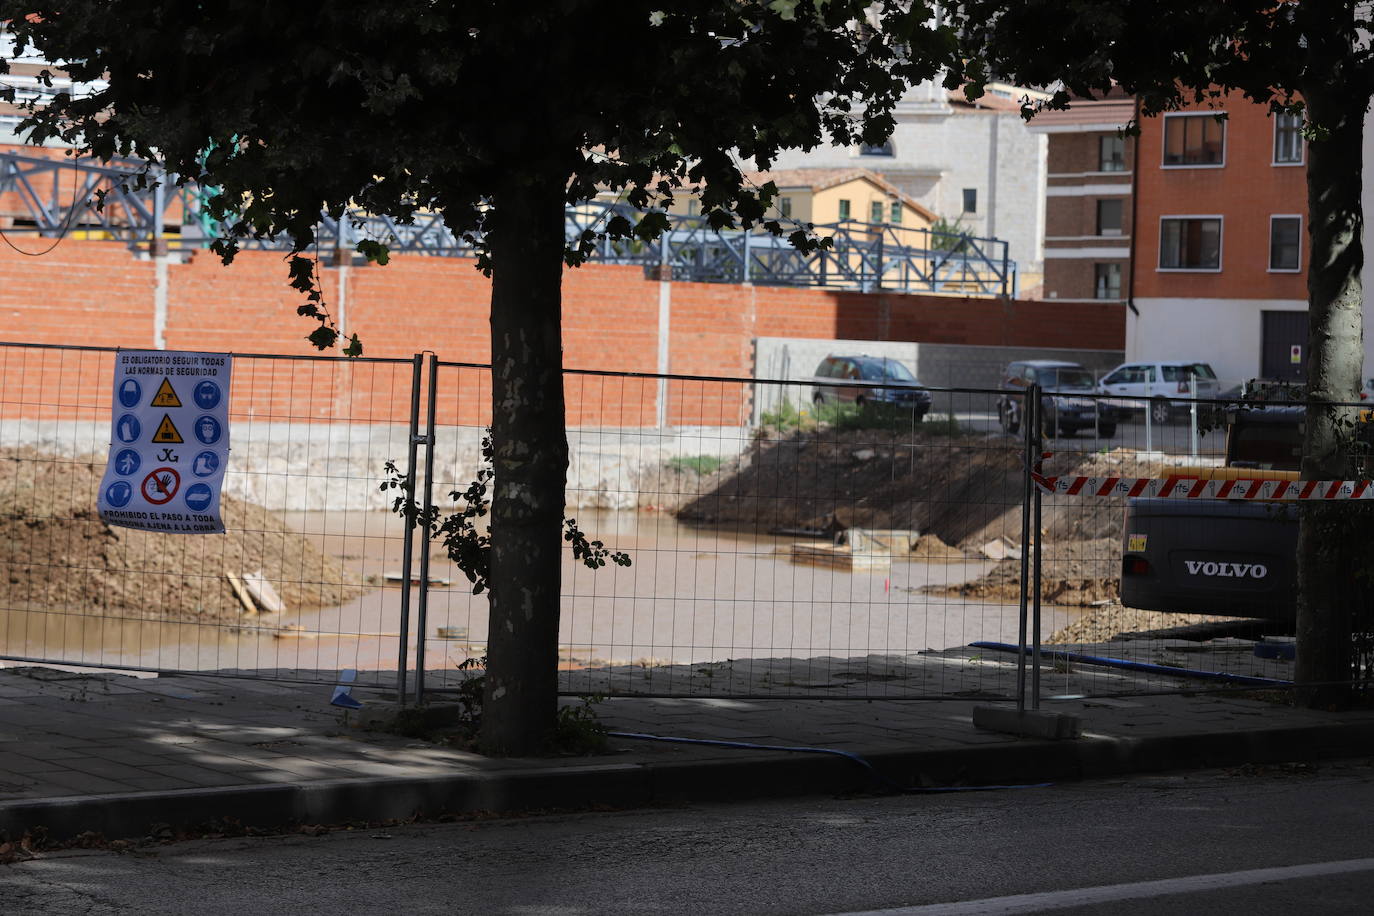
(1228, 570)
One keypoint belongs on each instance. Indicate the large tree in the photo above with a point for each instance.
(1311, 56)
(497, 115)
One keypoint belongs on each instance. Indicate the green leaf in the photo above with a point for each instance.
(322, 338)
(375, 252)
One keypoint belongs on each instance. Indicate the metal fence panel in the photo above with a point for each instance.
(738, 586)
(302, 510)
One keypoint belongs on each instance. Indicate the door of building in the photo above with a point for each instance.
(1283, 347)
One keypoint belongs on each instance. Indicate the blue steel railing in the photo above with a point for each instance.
(53, 197)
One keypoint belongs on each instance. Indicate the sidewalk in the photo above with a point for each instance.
(116, 754)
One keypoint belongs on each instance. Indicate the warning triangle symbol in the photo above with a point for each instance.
(166, 397)
(167, 431)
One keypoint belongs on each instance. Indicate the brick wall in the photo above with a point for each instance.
(98, 294)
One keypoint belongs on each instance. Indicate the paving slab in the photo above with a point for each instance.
(114, 754)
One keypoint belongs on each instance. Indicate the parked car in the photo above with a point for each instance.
(1068, 404)
(1161, 385)
(891, 383)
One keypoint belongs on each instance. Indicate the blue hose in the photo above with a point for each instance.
(848, 755)
(1128, 665)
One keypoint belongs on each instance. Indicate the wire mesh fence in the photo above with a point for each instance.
(829, 538)
(300, 510)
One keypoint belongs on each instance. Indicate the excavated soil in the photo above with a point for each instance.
(960, 493)
(1107, 623)
(966, 491)
(930, 549)
(56, 553)
(1071, 573)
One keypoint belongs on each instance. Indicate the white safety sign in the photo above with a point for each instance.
(169, 443)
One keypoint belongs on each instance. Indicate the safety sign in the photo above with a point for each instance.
(169, 442)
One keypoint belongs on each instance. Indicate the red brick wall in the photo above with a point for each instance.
(1245, 191)
(98, 294)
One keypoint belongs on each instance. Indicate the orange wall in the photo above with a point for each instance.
(98, 294)
(1246, 190)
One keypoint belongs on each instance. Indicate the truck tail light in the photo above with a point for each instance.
(1135, 566)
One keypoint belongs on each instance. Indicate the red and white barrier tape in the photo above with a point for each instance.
(1184, 487)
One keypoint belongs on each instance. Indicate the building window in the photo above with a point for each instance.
(876, 149)
(1285, 243)
(1194, 139)
(1107, 281)
(875, 211)
(1190, 243)
(895, 213)
(1287, 139)
(970, 200)
(1109, 216)
(844, 209)
(1111, 155)
(785, 206)
(692, 208)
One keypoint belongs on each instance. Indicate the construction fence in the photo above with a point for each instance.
(853, 541)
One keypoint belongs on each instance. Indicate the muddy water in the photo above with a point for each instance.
(690, 595)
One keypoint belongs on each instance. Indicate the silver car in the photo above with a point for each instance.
(1161, 385)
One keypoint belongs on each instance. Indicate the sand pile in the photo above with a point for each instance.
(930, 549)
(1107, 623)
(1071, 573)
(56, 554)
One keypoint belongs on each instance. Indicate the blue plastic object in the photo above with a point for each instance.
(343, 694)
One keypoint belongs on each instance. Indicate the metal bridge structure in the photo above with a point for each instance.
(57, 198)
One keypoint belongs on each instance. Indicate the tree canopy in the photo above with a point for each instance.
(497, 115)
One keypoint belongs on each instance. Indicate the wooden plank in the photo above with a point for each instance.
(245, 599)
(263, 593)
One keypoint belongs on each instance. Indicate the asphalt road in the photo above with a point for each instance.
(1172, 438)
(1273, 841)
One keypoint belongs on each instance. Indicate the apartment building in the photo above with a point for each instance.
(1221, 257)
(1198, 226)
(1088, 208)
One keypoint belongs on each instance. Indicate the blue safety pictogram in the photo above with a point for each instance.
(198, 496)
(128, 428)
(117, 494)
(126, 462)
(208, 430)
(205, 464)
(130, 392)
(207, 395)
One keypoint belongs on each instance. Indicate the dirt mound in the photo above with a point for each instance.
(57, 555)
(931, 549)
(1071, 573)
(1106, 623)
(965, 490)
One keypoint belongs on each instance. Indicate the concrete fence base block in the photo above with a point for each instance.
(1028, 723)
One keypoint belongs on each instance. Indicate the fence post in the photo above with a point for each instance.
(1037, 450)
(1030, 417)
(408, 546)
(422, 610)
(1192, 412)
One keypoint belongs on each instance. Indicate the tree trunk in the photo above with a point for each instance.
(1335, 348)
(530, 461)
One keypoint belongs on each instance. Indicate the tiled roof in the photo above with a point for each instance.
(821, 179)
(1088, 111)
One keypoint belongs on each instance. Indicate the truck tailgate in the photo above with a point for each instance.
(1210, 557)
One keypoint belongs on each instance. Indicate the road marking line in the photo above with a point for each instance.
(1087, 896)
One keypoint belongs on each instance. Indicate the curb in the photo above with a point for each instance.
(753, 775)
